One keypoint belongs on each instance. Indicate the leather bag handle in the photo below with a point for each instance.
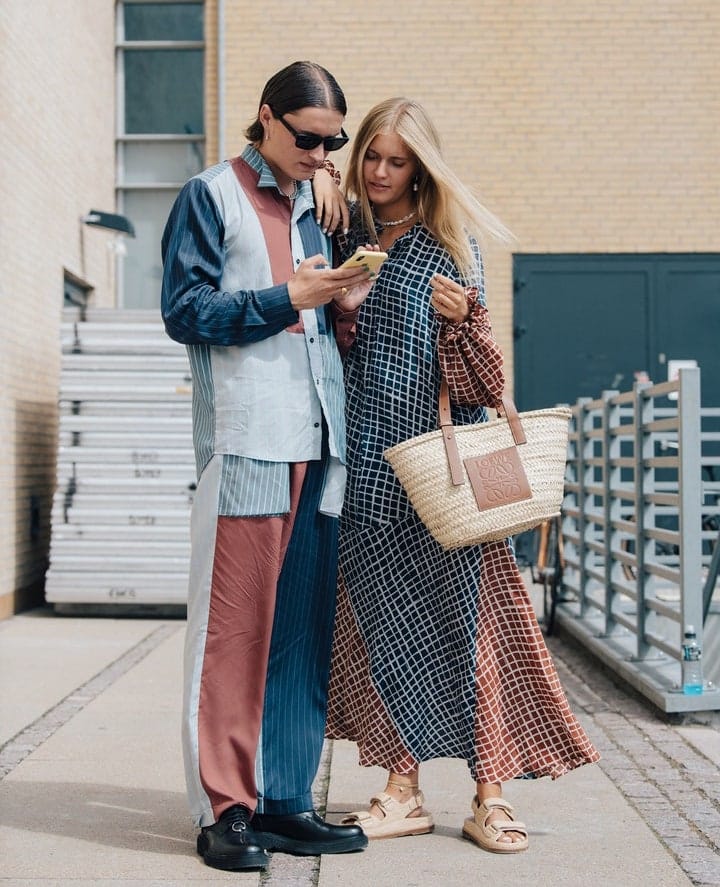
(507, 409)
(457, 475)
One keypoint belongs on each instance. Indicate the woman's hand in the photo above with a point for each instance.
(331, 211)
(448, 298)
(356, 295)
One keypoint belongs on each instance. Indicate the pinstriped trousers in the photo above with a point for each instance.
(261, 606)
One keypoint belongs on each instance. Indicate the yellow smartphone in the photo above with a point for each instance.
(365, 257)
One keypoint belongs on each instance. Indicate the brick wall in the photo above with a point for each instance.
(57, 105)
(586, 126)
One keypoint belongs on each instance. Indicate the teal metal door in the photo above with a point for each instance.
(587, 323)
(686, 319)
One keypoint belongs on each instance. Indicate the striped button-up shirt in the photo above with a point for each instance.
(267, 380)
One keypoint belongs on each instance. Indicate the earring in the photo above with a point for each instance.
(415, 185)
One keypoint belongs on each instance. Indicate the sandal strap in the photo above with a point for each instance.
(390, 805)
(483, 811)
(502, 826)
(358, 817)
(390, 808)
(489, 803)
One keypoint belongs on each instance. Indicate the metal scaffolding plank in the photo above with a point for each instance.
(125, 464)
(139, 455)
(117, 411)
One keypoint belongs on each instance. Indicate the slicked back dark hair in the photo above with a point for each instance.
(299, 85)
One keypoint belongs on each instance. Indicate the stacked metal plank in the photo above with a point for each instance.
(125, 469)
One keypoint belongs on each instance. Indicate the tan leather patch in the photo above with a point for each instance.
(498, 478)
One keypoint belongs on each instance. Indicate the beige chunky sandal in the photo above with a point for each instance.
(396, 821)
(488, 835)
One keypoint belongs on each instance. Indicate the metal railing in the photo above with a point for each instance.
(639, 530)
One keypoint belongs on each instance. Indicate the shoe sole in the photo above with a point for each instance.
(403, 833)
(310, 848)
(257, 860)
(476, 836)
(230, 864)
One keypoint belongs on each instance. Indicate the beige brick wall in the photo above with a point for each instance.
(586, 125)
(57, 106)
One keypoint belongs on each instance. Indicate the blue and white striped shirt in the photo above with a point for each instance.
(267, 380)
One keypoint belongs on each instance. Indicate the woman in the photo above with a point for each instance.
(436, 653)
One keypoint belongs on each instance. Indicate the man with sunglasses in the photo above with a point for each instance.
(246, 287)
(308, 141)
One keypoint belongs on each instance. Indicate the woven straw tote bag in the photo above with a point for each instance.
(477, 483)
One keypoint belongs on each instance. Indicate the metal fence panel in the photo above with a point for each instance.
(640, 521)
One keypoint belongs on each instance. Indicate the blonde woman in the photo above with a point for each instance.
(436, 653)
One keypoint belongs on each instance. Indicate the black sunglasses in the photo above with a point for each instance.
(306, 141)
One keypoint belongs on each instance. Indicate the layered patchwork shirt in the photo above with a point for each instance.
(267, 379)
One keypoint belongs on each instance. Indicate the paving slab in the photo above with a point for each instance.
(92, 789)
(579, 826)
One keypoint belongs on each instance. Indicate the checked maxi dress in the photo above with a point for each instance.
(436, 653)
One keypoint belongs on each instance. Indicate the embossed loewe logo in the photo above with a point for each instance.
(498, 478)
(498, 473)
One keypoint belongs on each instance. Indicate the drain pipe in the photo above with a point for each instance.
(220, 80)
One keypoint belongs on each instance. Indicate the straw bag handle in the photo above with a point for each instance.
(508, 409)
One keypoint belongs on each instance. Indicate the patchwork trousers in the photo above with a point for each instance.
(261, 606)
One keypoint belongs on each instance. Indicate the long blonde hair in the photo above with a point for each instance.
(445, 206)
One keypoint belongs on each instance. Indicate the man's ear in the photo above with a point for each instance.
(265, 115)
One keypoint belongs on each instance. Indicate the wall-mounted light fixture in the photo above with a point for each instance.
(113, 221)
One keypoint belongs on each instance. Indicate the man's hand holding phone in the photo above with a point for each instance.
(316, 283)
(369, 258)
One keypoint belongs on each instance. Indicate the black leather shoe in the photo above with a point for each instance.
(305, 834)
(231, 843)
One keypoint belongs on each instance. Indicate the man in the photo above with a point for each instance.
(246, 287)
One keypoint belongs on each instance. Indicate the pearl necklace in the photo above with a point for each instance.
(380, 224)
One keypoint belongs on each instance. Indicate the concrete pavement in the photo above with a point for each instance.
(91, 784)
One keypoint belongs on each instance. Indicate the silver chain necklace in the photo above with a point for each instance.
(296, 188)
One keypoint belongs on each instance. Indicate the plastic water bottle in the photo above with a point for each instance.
(692, 676)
